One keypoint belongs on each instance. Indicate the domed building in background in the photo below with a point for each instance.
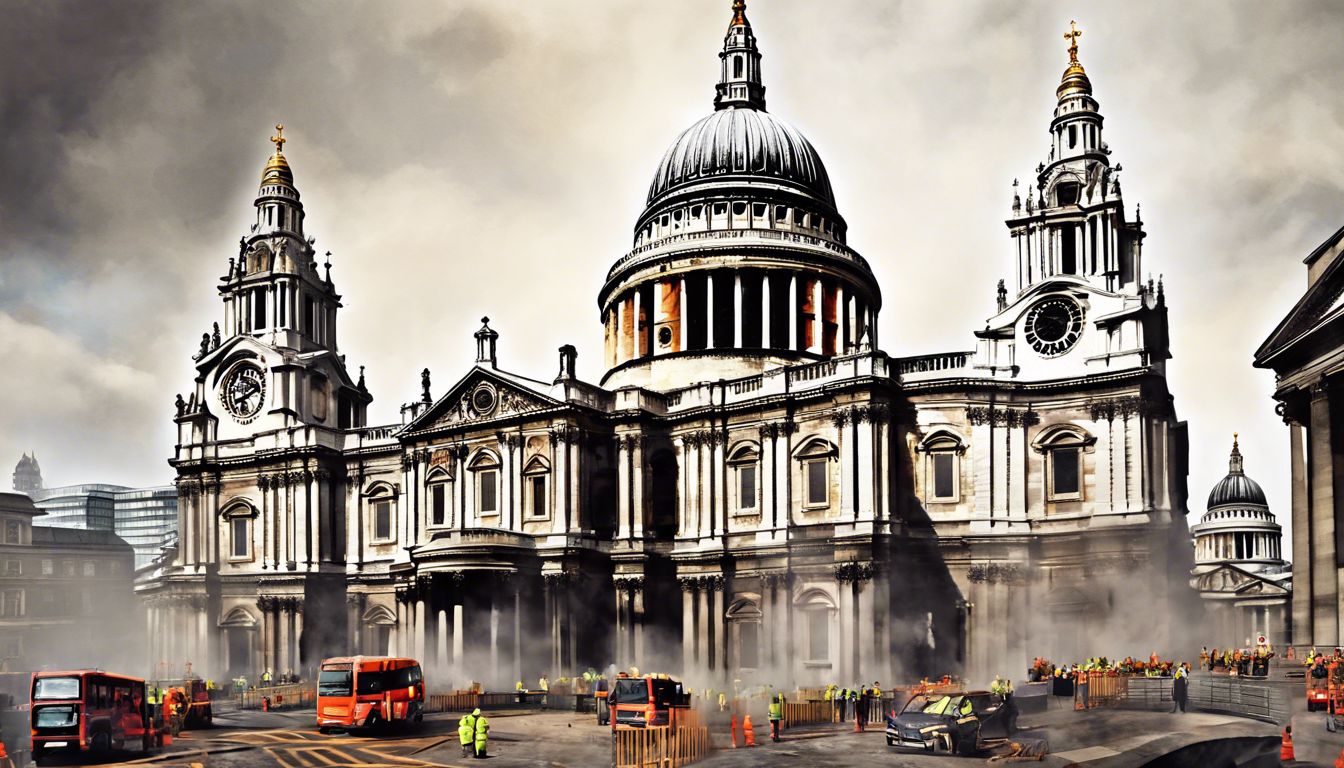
(1239, 567)
(753, 490)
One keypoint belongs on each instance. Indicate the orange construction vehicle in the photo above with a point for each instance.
(186, 704)
(636, 702)
(369, 691)
(89, 710)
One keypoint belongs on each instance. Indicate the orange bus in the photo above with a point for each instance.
(369, 691)
(89, 710)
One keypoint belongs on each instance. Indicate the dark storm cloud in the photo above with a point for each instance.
(473, 158)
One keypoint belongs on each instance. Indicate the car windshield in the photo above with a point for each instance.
(334, 681)
(632, 691)
(929, 705)
(56, 688)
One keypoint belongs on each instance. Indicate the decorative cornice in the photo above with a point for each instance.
(855, 572)
(996, 573)
(1001, 417)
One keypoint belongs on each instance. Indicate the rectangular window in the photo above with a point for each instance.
(241, 538)
(259, 309)
(13, 568)
(382, 520)
(818, 635)
(438, 503)
(746, 486)
(12, 606)
(818, 480)
(944, 481)
(538, 485)
(89, 568)
(48, 567)
(1064, 472)
(487, 483)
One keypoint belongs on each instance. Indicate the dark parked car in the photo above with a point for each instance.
(960, 723)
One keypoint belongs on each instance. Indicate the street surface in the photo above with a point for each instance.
(1100, 738)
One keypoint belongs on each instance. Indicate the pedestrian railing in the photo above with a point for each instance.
(1101, 690)
(670, 746)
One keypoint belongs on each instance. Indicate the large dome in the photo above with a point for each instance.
(745, 143)
(1237, 489)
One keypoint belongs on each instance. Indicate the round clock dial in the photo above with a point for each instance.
(1053, 326)
(483, 399)
(244, 392)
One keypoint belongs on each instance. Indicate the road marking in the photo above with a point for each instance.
(1087, 754)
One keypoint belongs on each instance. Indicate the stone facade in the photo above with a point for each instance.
(754, 489)
(1306, 353)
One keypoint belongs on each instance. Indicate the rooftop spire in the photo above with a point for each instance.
(1075, 77)
(1234, 464)
(740, 65)
(277, 168)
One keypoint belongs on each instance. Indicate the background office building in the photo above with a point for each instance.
(145, 518)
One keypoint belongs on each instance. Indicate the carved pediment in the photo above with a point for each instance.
(480, 397)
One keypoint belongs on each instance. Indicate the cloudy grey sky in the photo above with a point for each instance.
(486, 157)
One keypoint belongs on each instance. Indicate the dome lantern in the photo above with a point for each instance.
(740, 65)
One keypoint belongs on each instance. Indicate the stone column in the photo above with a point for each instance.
(841, 326)
(765, 311)
(441, 656)
(299, 658)
(637, 476)
(818, 316)
(737, 309)
(421, 609)
(868, 620)
(703, 646)
(624, 493)
(863, 433)
(687, 627)
(639, 326)
(685, 321)
(792, 311)
(709, 310)
(719, 628)
(847, 503)
(1301, 527)
(1324, 571)
(637, 619)
(458, 636)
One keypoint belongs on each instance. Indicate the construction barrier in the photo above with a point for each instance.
(278, 697)
(1102, 690)
(807, 713)
(669, 746)
(465, 701)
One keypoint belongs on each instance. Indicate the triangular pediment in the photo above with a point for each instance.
(1323, 300)
(1233, 580)
(482, 396)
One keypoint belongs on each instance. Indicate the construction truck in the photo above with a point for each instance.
(186, 704)
(637, 702)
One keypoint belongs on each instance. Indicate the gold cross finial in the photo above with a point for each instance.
(279, 138)
(1072, 36)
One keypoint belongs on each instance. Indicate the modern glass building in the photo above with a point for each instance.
(146, 518)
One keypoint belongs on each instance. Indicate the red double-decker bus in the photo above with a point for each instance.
(89, 710)
(369, 691)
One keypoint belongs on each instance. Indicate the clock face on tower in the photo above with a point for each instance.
(1053, 326)
(244, 392)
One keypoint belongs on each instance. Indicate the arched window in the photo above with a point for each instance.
(737, 66)
(744, 461)
(439, 485)
(484, 468)
(238, 519)
(818, 610)
(381, 504)
(536, 481)
(942, 449)
(814, 458)
(744, 623)
(1063, 446)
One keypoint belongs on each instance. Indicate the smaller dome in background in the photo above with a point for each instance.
(1236, 487)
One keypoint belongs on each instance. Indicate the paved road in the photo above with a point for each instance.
(1101, 739)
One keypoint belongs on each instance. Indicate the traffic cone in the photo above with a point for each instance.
(1286, 751)
(733, 728)
(747, 732)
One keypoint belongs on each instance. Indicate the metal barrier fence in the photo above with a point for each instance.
(807, 713)
(669, 746)
(280, 696)
(1266, 700)
(465, 701)
(1102, 690)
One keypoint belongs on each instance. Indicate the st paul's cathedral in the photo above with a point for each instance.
(752, 485)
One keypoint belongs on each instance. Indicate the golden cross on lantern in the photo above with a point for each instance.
(279, 138)
(1072, 36)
